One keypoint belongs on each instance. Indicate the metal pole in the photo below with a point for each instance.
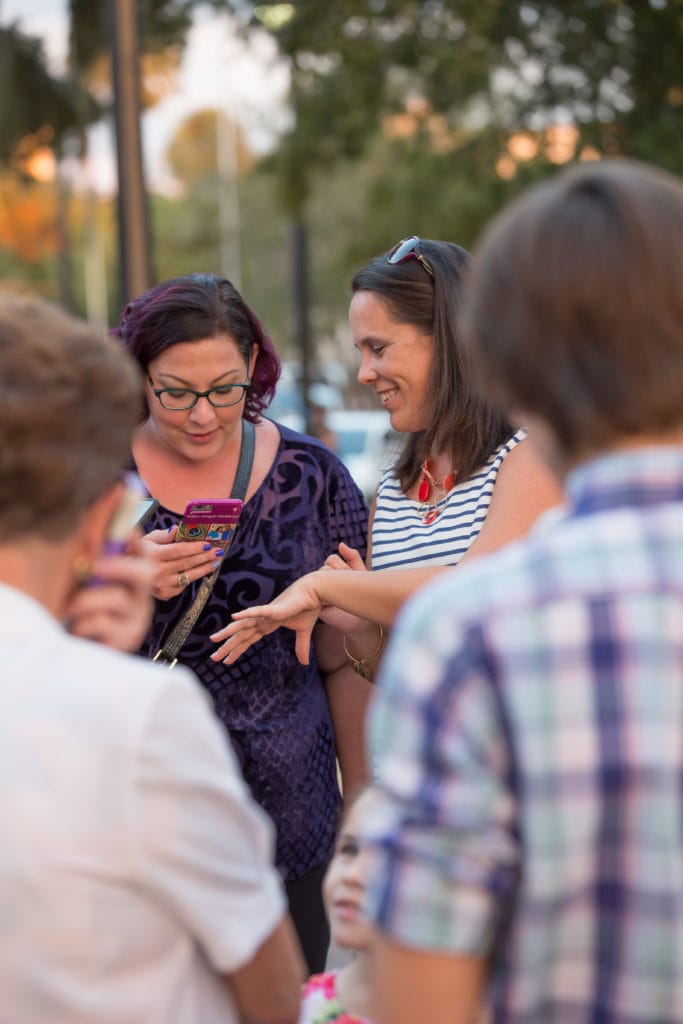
(135, 268)
(228, 199)
(64, 268)
(299, 250)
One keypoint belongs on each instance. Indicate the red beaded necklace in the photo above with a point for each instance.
(429, 510)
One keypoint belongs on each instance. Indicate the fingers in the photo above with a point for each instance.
(160, 536)
(334, 562)
(303, 646)
(348, 558)
(249, 624)
(352, 557)
(118, 610)
(179, 564)
(238, 637)
(135, 573)
(258, 611)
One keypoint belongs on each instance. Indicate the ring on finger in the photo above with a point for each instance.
(183, 580)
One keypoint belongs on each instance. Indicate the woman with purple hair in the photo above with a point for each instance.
(210, 371)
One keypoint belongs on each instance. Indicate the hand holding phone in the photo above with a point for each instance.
(133, 508)
(210, 520)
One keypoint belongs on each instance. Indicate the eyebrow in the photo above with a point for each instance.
(161, 375)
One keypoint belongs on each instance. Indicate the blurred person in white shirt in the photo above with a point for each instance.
(135, 867)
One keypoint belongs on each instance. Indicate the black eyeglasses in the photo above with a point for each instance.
(177, 399)
(406, 248)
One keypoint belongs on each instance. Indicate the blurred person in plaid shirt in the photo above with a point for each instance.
(527, 823)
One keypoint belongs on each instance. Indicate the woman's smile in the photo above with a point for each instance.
(396, 360)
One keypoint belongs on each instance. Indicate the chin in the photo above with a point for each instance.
(402, 423)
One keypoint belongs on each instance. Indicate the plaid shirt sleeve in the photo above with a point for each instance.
(444, 850)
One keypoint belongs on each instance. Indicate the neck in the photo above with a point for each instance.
(41, 569)
(440, 464)
(173, 478)
(354, 985)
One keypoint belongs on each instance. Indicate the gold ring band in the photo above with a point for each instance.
(183, 580)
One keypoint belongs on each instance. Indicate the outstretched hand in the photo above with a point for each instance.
(297, 608)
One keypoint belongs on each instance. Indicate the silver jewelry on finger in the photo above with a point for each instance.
(183, 580)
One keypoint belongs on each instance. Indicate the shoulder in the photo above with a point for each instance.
(294, 440)
(314, 453)
(512, 444)
(519, 465)
(124, 691)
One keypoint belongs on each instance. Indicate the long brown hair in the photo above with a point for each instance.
(461, 422)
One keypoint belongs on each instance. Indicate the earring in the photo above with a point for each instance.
(82, 569)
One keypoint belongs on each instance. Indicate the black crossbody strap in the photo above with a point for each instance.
(168, 653)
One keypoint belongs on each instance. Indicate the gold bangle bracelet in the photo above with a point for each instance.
(361, 666)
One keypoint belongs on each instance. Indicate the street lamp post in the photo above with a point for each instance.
(134, 238)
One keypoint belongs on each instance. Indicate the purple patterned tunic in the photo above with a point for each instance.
(274, 708)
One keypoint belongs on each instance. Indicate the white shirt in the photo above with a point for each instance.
(134, 866)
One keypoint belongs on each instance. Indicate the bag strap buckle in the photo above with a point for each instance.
(161, 657)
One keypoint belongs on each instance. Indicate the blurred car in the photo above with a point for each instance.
(365, 442)
(362, 438)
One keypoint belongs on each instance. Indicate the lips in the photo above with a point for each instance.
(346, 908)
(201, 438)
(385, 396)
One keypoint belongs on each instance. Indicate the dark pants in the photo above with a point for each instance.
(308, 914)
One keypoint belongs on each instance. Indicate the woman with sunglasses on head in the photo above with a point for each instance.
(210, 371)
(465, 483)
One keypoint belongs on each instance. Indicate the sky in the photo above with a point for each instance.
(246, 81)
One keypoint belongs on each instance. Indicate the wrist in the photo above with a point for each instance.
(362, 663)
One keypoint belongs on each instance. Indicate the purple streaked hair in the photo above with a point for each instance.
(192, 308)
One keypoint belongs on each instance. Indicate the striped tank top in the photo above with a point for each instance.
(401, 539)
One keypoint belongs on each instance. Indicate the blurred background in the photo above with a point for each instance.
(282, 145)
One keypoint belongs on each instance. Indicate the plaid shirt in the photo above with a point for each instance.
(529, 731)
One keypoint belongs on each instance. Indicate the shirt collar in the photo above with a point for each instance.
(649, 475)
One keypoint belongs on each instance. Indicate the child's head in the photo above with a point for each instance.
(344, 885)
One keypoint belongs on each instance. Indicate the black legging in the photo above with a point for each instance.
(308, 914)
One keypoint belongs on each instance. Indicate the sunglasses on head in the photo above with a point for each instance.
(407, 248)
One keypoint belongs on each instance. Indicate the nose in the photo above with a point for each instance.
(366, 371)
(202, 411)
(356, 870)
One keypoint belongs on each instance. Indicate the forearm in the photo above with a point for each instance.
(377, 596)
(411, 985)
(348, 695)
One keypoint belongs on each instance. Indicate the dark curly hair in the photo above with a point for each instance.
(192, 308)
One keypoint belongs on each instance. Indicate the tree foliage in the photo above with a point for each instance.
(163, 24)
(31, 97)
(613, 68)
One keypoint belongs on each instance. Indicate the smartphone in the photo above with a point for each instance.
(131, 512)
(210, 520)
(143, 511)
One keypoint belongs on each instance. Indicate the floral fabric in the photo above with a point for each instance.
(320, 1002)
